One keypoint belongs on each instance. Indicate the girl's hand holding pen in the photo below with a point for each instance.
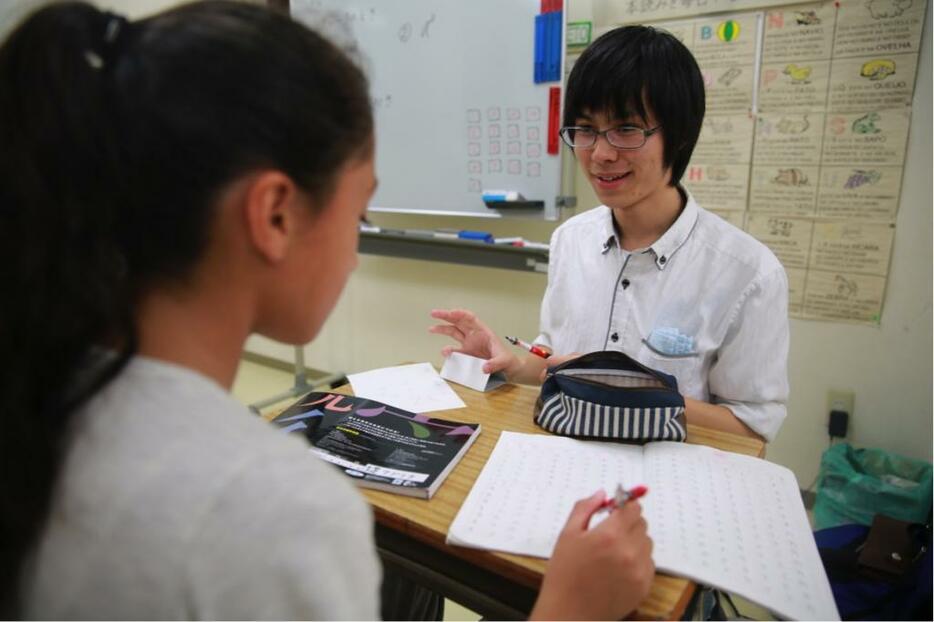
(622, 496)
(601, 573)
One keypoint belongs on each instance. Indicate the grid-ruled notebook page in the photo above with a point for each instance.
(737, 523)
(527, 488)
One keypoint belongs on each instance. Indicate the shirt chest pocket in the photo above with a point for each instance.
(674, 352)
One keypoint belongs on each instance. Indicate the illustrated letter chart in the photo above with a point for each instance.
(804, 139)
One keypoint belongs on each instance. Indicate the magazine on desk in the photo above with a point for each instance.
(378, 445)
(722, 519)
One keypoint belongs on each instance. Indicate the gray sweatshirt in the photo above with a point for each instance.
(176, 502)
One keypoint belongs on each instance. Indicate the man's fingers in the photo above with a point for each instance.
(453, 315)
(446, 351)
(497, 363)
(449, 330)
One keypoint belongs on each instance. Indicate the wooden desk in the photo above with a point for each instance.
(411, 532)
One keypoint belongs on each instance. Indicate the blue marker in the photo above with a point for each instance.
(480, 236)
(539, 56)
(501, 195)
(553, 64)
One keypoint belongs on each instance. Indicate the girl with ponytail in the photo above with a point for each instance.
(169, 186)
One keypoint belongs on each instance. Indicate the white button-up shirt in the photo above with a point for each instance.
(706, 303)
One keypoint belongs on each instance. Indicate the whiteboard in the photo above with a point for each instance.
(456, 108)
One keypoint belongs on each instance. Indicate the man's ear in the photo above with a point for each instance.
(269, 202)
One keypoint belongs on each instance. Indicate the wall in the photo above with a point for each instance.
(889, 368)
(383, 319)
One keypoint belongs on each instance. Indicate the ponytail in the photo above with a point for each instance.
(63, 291)
(116, 138)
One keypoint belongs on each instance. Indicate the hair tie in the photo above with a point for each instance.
(114, 31)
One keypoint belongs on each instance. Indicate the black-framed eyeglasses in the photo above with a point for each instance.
(623, 137)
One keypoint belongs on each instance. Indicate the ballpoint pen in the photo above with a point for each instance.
(528, 346)
(622, 496)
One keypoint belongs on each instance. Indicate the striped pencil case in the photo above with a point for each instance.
(607, 395)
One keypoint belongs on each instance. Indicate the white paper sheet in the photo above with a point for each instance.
(417, 388)
(468, 371)
(726, 520)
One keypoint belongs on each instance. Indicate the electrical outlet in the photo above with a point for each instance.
(839, 409)
(840, 400)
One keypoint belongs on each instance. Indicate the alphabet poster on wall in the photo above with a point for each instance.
(804, 140)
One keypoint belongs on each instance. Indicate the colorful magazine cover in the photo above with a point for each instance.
(378, 445)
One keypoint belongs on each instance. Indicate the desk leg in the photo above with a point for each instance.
(492, 596)
(301, 385)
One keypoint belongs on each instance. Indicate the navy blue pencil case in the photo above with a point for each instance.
(609, 396)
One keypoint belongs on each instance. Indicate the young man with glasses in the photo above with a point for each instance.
(649, 272)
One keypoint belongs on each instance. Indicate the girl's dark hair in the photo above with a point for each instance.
(632, 67)
(116, 139)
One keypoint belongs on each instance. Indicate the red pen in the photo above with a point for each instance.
(528, 346)
(622, 496)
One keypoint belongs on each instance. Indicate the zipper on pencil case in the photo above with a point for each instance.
(594, 383)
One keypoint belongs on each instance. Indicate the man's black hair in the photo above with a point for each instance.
(634, 68)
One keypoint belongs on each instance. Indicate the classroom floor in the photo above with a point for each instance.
(256, 381)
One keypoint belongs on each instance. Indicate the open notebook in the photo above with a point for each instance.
(726, 520)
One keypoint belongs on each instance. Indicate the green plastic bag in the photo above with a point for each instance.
(856, 484)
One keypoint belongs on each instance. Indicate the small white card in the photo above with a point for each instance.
(468, 371)
(416, 388)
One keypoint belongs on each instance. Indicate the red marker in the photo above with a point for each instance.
(554, 119)
(528, 346)
(622, 496)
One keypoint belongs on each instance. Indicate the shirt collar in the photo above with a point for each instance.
(608, 232)
(665, 246)
(677, 234)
